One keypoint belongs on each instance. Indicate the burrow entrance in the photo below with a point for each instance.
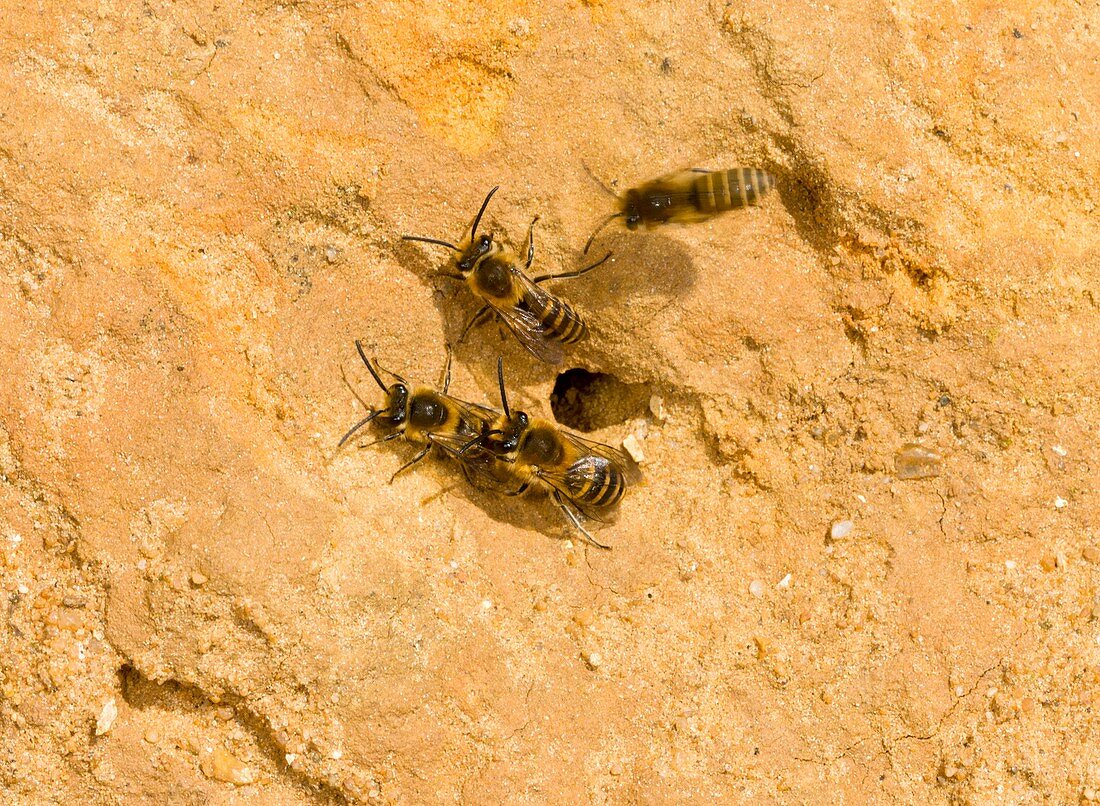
(589, 401)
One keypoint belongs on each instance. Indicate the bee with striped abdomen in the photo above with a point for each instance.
(541, 321)
(422, 415)
(583, 477)
(686, 196)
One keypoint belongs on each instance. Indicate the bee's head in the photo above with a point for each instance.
(470, 250)
(632, 209)
(397, 406)
(393, 415)
(503, 437)
(475, 251)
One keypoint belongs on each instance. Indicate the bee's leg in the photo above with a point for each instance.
(530, 244)
(569, 513)
(446, 382)
(477, 319)
(388, 438)
(423, 452)
(521, 489)
(569, 275)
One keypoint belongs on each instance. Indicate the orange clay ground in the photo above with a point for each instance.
(201, 207)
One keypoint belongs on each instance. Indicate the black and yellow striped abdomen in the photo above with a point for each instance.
(719, 191)
(559, 318)
(595, 481)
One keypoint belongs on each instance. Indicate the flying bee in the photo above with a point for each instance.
(583, 477)
(683, 197)
(541, 321)
(422, 415)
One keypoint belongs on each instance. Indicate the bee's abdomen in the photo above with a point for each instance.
(560, 320)
(719, 191)
(595, 481)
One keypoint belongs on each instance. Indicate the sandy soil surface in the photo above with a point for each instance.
(201, 207)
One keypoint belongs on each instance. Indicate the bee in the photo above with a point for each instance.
(541, 321)
(422, 415)
(583, 477)
(683, 197)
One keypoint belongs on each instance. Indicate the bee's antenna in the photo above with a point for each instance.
(503, 394)
(436, 241)
(481, 212)
(357, 426)
(603, 224)
(370, 366)
(599, 181)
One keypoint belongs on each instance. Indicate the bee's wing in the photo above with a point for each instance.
(530, 332)
(615, 456)
(484, 471)
(472, 420)
(679, 189)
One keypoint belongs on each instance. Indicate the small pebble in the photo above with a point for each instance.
(106, 718)
(916, 462)
(756, 588)
(1010, 565)
(331, 253)
(616, 769)
(1058, 449)
(1059, 502)
(633, 447)
(221, 765)
(657, 408)
(784, 583)
(840, 530)
(1091, 554)
(198, 579)
(1048, 562)
(593, 659)
(486, 604)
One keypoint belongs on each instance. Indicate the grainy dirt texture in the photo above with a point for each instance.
(204, 601)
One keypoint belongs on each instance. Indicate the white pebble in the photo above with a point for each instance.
(632, 446)
(1010, 565)
(756, 588)
(840, 530)
(784, 583)
(1058, 449)
(1060, 502)
(657, 407)
(487, 604)
(593, 659)
(337, 753)
(106, 718)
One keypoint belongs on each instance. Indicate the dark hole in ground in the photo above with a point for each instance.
(589, 401)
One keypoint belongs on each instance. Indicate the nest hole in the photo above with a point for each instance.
(589, 401)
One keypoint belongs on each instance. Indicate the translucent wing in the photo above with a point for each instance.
(615, 456)
(530, 332)
(481, 468)
(473, 418)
